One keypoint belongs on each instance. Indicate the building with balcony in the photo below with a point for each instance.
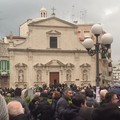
(4, 65)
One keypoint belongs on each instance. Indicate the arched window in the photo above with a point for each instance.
(44, 14)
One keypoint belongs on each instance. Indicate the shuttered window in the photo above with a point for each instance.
(4, 67)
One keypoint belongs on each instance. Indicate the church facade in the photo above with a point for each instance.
(49, 50)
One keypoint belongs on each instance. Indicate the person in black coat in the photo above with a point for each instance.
(73, 111)
(55, 97)
(63, 104)
(45, 107)
(33, 107)
(17, 96)
(21, 117)
(107, 112)
(85, 112)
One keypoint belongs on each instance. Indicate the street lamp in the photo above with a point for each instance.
(100, 47)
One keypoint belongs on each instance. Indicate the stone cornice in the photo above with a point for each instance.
(48, 26)
(47, 50)
(55, 18)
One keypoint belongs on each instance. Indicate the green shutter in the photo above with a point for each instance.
(0, 67)
(8, 66)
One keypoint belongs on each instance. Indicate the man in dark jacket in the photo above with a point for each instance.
(45, 108)
(79, 100)
(72, 113)
(107, 112)
(63, 103)
(17, 96)
(33, 106)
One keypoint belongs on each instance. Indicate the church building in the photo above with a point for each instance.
(49, 50)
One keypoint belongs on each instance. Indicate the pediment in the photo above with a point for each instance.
(69, 65)
(38, 65)
(85, 65)
(52, 21)
(21, 65)
(54, 63)
(53, 32)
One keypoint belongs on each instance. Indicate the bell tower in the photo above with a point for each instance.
(43, 13)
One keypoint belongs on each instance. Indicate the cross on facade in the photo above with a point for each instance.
(53, 9)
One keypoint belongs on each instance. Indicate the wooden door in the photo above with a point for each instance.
(54, 77)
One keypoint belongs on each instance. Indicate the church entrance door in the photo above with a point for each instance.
(54, 77)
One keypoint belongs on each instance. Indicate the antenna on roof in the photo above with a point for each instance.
(73, 13)
(83, 15)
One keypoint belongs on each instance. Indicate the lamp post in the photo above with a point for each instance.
(100, 47)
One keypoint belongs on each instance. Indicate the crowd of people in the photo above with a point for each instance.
(60, 102)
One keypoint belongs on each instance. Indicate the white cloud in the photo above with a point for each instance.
(110, 11)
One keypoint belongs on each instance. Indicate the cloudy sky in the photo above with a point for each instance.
(107, 12)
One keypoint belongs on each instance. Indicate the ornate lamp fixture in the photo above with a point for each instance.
(101, 46)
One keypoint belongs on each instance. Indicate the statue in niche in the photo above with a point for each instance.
(85, 75)
(21, 76)
(39, 76)
(68, 75)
